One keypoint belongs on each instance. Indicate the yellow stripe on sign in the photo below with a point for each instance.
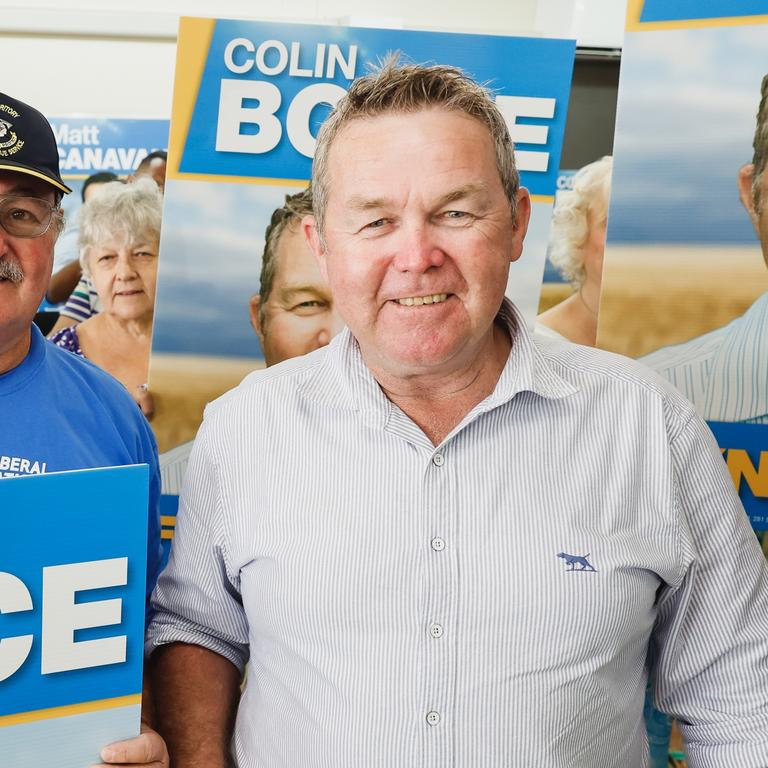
(194, 42)
(635, 10)
(166, 534)
(168, 520)
(299, 183)
(542, 198)
(71, 709)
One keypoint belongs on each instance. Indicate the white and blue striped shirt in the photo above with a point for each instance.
(723, 373)
(487, 602)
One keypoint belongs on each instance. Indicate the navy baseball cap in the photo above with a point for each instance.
(27, 143)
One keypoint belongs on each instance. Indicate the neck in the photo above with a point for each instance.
(13, 353)
(589, 293)
(437, 402)
(139, 330)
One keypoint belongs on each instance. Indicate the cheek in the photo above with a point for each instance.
(101, 279)
(149, 278)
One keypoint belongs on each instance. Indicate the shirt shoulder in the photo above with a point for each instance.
(610, 378)
(80, 381)
(688, 354)
(267, 386)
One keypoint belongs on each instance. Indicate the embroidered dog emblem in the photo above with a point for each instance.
(573, 560)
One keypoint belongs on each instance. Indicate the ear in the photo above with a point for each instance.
(520, 224)
(745, 177)
(253, 311)
(314, 241)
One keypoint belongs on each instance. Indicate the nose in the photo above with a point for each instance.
(417, 250)
(125, 269)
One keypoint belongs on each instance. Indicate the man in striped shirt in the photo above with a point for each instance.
(725, 373)
(436, 541)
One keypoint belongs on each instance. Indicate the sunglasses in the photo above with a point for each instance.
(23, 216)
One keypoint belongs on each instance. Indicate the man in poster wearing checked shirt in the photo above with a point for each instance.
(377, 527)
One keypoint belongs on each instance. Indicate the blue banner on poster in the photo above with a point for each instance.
(266, 88)
(90, 145)
(687, 10)
(745, 450)
(72, 596)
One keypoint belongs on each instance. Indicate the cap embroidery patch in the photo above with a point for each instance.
(10, 143)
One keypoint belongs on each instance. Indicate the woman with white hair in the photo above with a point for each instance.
(576, 249)
(119, 242)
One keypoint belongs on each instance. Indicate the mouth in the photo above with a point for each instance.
(418, 301)
(128, 293)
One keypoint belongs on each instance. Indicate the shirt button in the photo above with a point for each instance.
(438, 459)
(437, 544)
(436, 630)
(433, 718)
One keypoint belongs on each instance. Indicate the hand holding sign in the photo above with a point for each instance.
(147, 750)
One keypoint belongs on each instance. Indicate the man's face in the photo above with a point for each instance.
(759, 217)
(156, 171)
(419, 236)
(299, 315)
(31, 259)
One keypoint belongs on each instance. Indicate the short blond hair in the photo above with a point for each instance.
(570, 222)
(408, 88)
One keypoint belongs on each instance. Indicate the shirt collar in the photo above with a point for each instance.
(344, 381)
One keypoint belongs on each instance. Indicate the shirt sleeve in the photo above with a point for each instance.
(154, 544)
(711, 638)
(197, 599)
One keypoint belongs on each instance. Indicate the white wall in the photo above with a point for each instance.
(116, 57)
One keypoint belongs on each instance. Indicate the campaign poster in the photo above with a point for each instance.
(249, 98)
(685, 281)
(72, 597)
(89, 145)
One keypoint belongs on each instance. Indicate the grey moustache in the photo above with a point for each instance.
(11, 271)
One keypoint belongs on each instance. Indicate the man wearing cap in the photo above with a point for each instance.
(59, 411)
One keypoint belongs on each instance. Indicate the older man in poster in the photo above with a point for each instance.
(438, 542)
(724, 373)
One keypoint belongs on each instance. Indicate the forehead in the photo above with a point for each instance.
(430, 145)
(106, 239)
(295, 261)
(14, 183)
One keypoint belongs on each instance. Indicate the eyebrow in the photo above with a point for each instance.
(289, 290)
(462, 192)
(360, 203)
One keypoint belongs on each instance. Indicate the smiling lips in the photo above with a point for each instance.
(417, 301)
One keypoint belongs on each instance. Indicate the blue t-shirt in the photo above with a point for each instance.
(60, 412)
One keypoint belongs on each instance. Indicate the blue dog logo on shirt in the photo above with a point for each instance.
(573, 560)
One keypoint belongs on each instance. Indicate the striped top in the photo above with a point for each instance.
(486, 602)
(723, 373)
(83, 302)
